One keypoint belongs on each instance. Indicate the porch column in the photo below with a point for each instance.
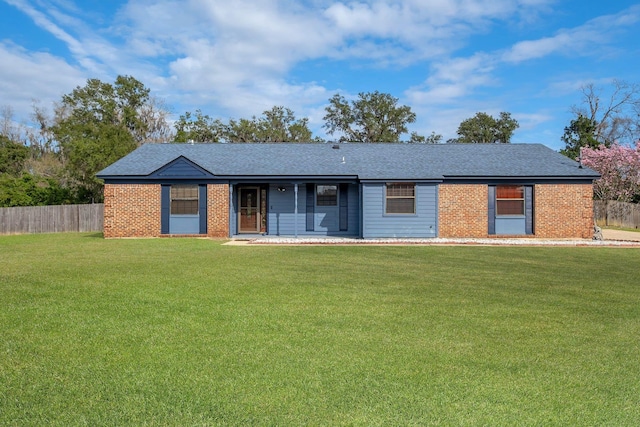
(295, 209)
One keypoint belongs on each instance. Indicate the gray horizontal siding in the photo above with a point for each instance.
(184, 224)
(377, 224)
(281, 211)
(510, 225)
(282, 218)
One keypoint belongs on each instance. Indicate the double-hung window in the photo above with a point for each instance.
(327, 195)
(184, 200)
(400, 198)
(509, 200)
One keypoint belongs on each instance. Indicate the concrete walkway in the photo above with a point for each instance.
(610, 238)
(620, 235)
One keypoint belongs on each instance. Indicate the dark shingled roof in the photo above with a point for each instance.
(364, 161)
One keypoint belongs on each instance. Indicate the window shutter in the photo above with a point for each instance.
(311, 196)
(165, 208)
(344, 206)
(492, 209)
(202, 208)
(528, 209)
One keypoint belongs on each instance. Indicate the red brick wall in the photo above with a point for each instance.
(563, 210)
(131, 210)
(560, 210)
(218, 210)
(463, 210)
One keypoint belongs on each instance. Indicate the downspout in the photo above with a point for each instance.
(295, 209)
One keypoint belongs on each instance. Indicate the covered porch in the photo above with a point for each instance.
(295, 208)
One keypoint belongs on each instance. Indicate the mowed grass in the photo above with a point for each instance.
(191, 332)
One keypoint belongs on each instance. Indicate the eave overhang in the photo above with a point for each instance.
(524, 179)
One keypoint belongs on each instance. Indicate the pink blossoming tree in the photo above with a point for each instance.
(619, 166)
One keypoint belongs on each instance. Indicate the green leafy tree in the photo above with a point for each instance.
(29, 173)
(280, 125)
(485, 129)
(243, 130)
(579, 134)
(31, 190)
(13, 156)
(373, 117)
(198, 127)
(13, 191)
(276, 125)
(96, 125)
(434, 138)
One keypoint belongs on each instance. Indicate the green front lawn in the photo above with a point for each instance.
(190, 332)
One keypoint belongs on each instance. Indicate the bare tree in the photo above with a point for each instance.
(40, 136)
(8, 126)
(616, 114)
(154, 114)
(45, 160)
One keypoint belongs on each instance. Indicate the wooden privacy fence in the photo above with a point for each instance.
(87, 218)
(52, 219)
(617, 214)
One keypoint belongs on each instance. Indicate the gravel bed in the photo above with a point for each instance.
(437, 241)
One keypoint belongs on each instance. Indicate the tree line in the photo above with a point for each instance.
(55, 160)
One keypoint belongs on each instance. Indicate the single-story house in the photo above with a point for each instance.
(352, 190)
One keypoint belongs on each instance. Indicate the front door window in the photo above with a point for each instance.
(249, 214)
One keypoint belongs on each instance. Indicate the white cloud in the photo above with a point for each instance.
(27, 76)
(93, 54)
(236, 54)
(572, 42)
(236, 57)
(239, 48)
(586, 39)
(41, 20)
(453, 79)
(247, 47)
(230, 44)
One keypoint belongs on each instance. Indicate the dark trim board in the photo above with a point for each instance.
(517, 180)
(165, 208)
(310, 206)
(526, 224)
(181, 168)
(202, 208)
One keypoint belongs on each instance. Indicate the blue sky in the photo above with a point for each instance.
(446, 59)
